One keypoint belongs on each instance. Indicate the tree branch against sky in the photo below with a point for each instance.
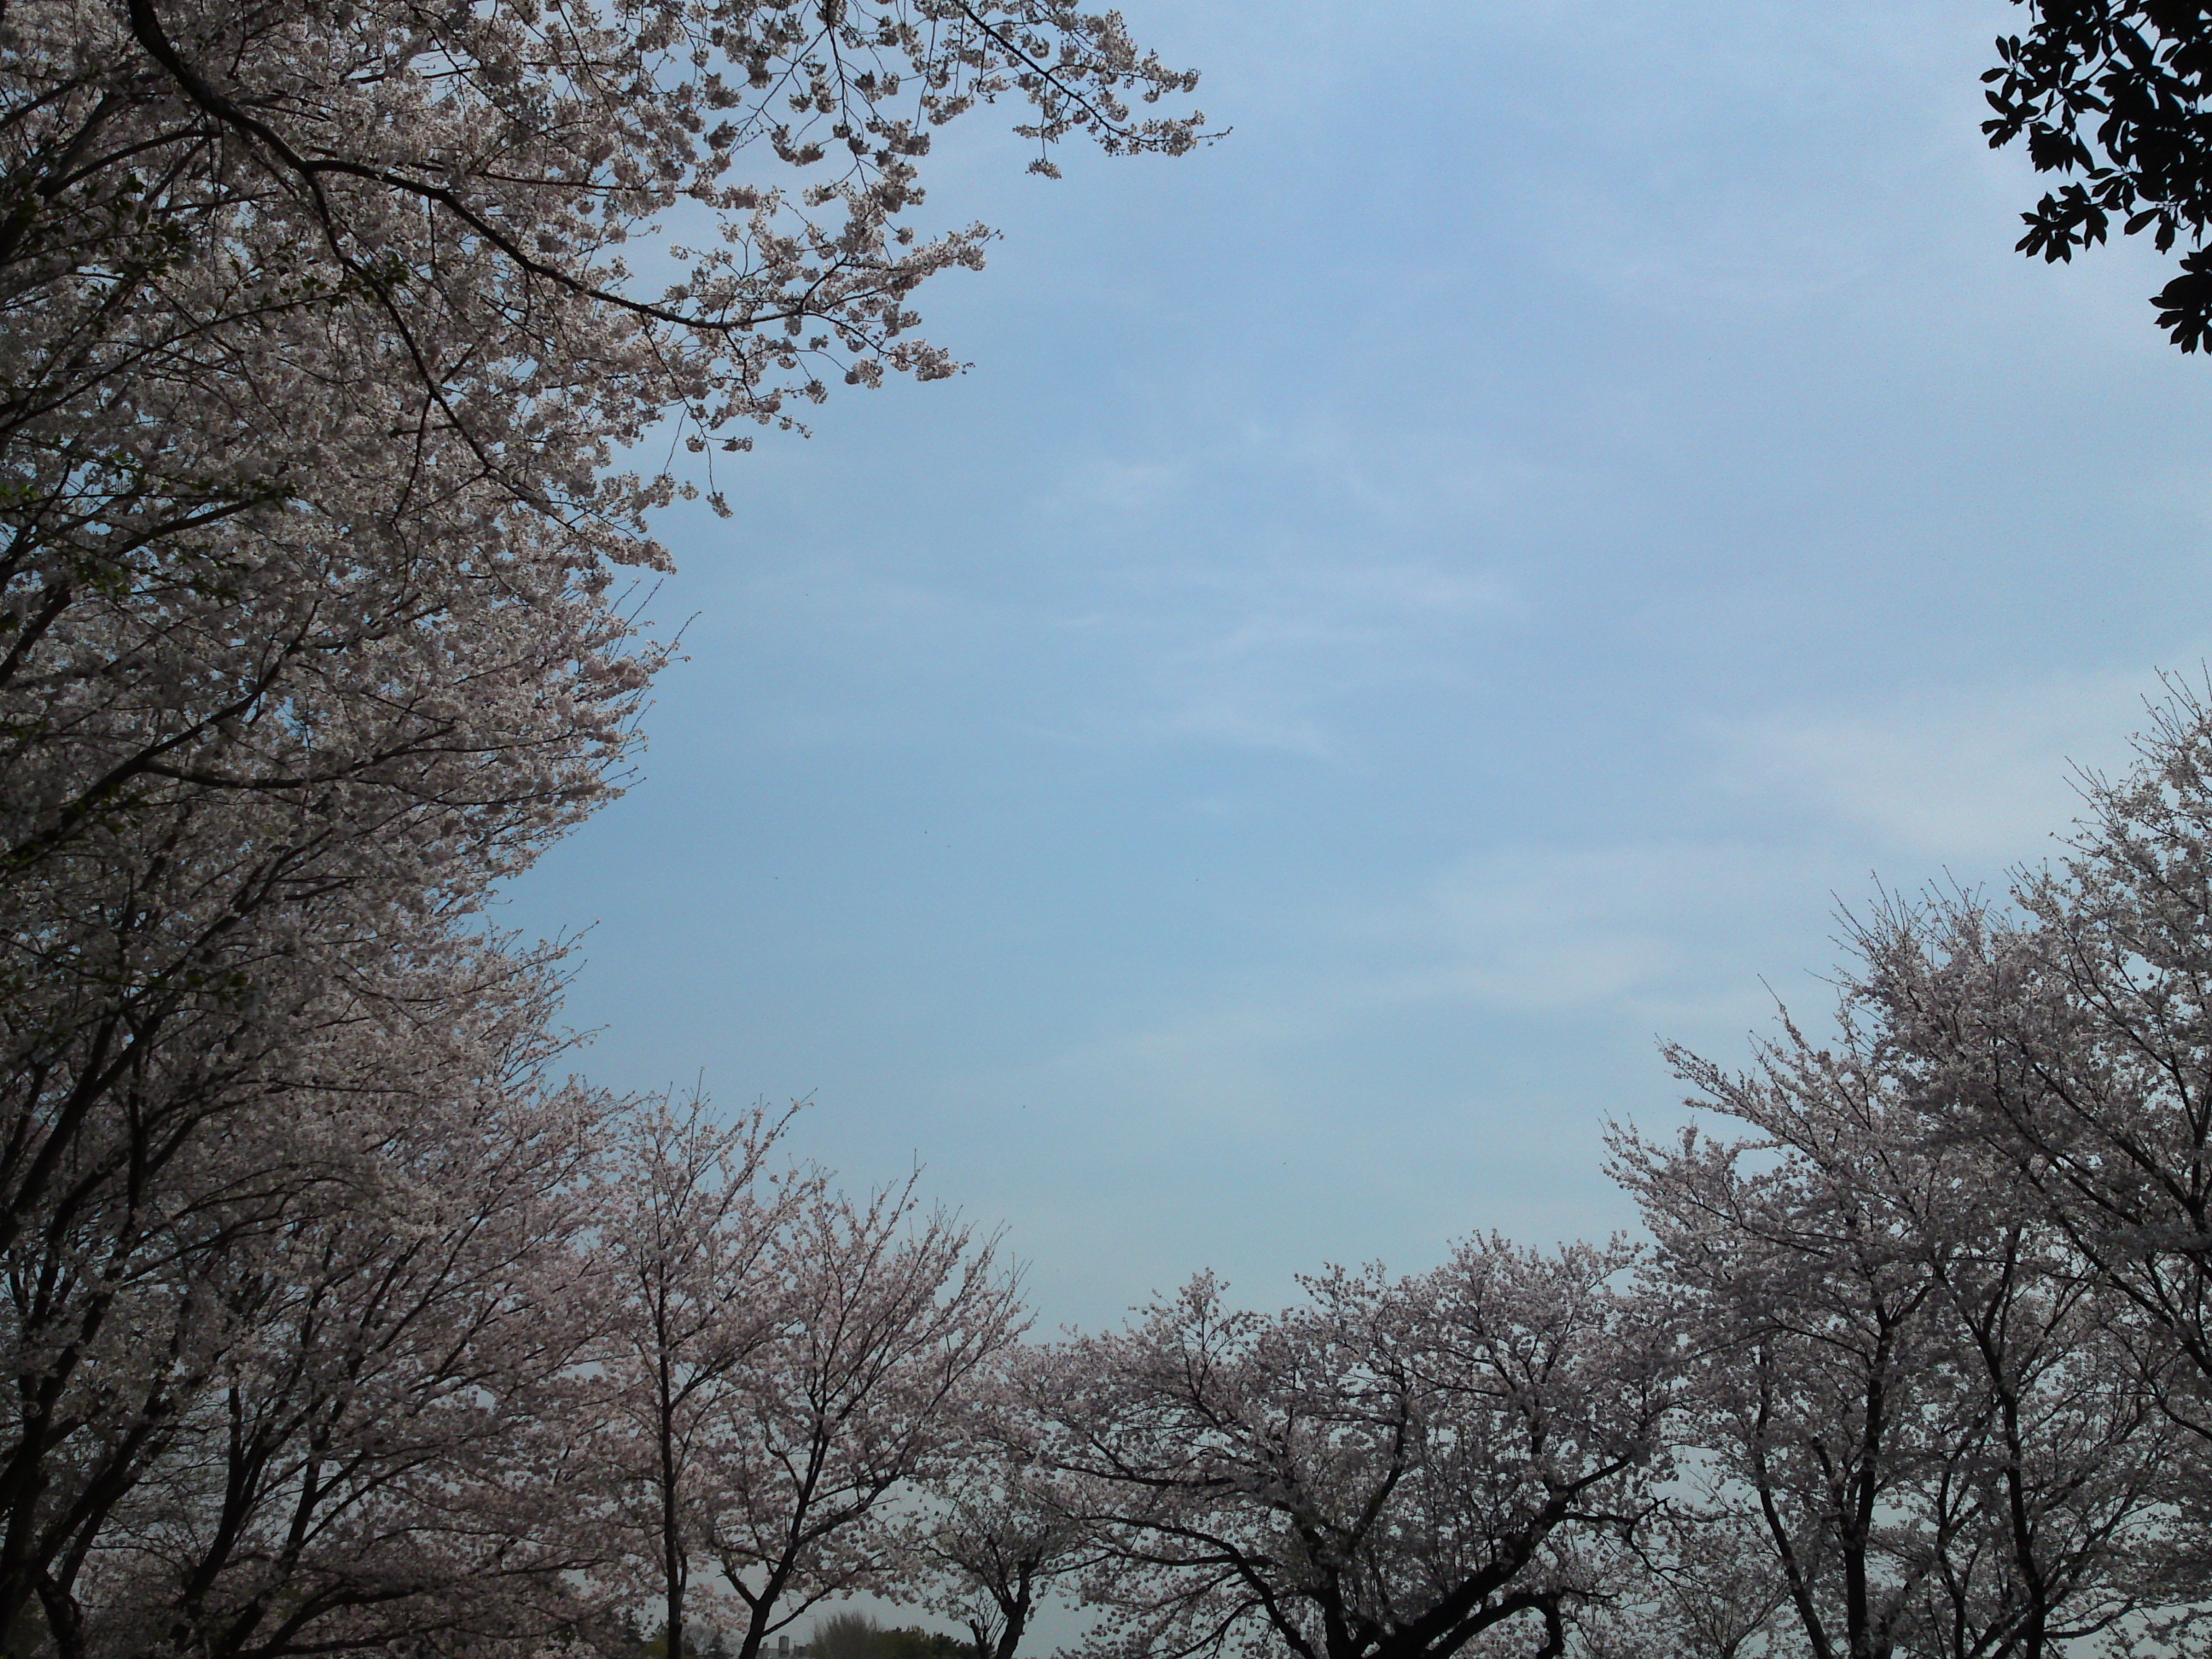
(2117, 94)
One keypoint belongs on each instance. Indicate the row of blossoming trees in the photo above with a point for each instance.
(338, 1318)
(1917, 1360)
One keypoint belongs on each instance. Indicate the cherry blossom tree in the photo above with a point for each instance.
(1906, 1390)
(997, 1533)
(318, 362)
(860, 1338)
(321, 347)
(1703, 1585)
(1392, 1469)
(2070, 1036)
(890, 1314)
(697, 1243)
(308, 1399)
(320, 353)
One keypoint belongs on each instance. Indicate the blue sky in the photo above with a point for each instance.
(1409, 606)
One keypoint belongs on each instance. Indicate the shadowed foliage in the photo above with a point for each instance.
(2112, 95)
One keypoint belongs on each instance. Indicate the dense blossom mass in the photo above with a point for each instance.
(321, 375)
(339, 1319)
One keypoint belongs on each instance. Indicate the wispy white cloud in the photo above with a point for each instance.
(1634, 939)
(1657, 933)
(1984, 773)
(1240, 598)
(1256, 588)
(1267, 657)
(1696, 937)
(1117, 485)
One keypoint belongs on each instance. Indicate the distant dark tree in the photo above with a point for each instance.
(912, 1642)
(845, 1635)
(2117, 94)
(856, 1636)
